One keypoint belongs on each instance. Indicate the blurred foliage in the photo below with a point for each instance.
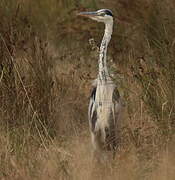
(47, 64)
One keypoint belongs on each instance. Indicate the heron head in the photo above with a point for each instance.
(102, 15)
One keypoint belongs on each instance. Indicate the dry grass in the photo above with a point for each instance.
(45, 80)
(71, 159)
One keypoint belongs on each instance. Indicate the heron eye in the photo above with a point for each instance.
(102, 14)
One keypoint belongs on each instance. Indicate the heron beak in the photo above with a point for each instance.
(88, 14)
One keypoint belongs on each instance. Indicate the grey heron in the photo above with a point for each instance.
(105, 102)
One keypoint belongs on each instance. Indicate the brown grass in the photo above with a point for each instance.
(72, 159)
(46, 68)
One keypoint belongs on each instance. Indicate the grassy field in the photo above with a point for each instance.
(48, 59)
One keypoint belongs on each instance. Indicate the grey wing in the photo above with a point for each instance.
(92, 113)
(117, 103)
(117, 112)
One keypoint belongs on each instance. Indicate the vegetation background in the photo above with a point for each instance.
(48, 59)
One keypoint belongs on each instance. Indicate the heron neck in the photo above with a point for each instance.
(103, 70)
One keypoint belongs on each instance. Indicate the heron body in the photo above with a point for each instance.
(105, 104)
